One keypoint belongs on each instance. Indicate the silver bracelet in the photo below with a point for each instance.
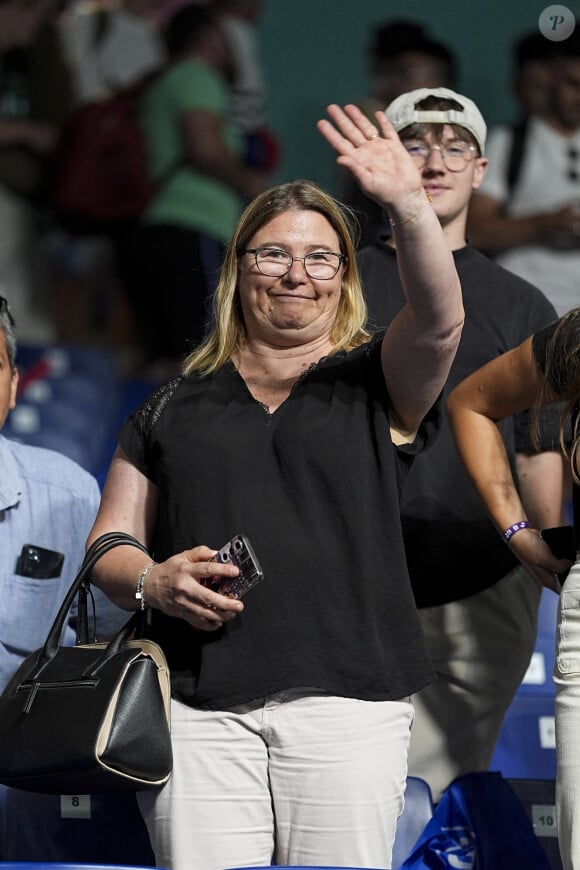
(139, 594)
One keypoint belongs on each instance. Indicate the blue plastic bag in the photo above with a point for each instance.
(479, 824)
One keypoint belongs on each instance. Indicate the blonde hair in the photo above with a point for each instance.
(228, 334)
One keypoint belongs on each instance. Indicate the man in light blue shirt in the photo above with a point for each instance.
(47, 506)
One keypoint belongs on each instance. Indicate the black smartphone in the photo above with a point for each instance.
(39, 563)
(239, 552)
(560, 540)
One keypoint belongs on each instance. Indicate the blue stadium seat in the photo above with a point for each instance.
(416, 813)
(58, 426)
(64, 359)
(526, 747)
(79, 390)
(24, 425)
(69, 398)
(45, 865)
(95, 829)
(80, 378)
(547, 614)
(538, 677)
(538, 797)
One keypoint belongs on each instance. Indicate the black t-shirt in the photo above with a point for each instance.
(316, 487)
(453, 549)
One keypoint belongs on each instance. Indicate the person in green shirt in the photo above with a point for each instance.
(202, 181)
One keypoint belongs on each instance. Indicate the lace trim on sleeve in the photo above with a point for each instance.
(147, 415)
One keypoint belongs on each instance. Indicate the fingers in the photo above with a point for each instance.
(213, 610)
(351, 127)
(208, 619)
(385, 126)
(341, 145)
(352, 123)
(179, 589)
(208, 593)
(208, 611)
(200, 553)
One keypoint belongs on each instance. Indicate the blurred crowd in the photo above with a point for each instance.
(72, 281)
(526, 214)
(194, 70)
(132, 135)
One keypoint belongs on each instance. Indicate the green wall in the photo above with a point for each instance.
(314, 52)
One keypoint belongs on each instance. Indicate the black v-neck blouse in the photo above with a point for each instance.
(316, 487)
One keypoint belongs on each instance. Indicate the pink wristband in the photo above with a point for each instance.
(510, 532)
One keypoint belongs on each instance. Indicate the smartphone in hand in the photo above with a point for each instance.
(560, 540)
(239, 552)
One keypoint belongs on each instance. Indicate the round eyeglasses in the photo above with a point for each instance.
(455, 155)
(273, 262)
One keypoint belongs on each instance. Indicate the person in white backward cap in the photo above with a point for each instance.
(477, 604)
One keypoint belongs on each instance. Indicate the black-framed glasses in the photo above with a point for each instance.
(274, 262)
(455, 155)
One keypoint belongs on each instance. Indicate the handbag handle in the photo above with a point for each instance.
(85, 585)
(98, 548)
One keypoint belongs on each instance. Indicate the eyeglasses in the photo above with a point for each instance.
(455, 155)
(320, 265)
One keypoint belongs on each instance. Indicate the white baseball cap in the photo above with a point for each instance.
(402, 112)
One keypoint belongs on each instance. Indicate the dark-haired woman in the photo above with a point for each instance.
(542, 370)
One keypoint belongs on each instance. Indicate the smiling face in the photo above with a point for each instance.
(450, 192)
(8, 382)
(295, 308)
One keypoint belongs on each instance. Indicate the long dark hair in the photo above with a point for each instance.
(562, 382)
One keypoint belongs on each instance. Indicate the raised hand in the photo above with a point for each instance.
(373, 154)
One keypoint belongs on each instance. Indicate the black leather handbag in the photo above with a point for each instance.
(92, 717)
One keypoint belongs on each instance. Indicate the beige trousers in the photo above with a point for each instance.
(567, 680)
(300, 778)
